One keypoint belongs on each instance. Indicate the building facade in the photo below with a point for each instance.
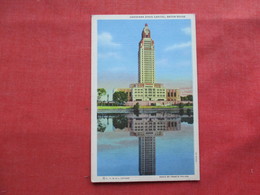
(173, 94)
(147, 91)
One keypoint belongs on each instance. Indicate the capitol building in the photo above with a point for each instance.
(147, 91)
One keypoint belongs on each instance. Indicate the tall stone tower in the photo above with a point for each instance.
(147, 91)
(146, 66)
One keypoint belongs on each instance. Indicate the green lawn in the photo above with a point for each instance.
(142, 107)
(188, 106)
(164, 106)
(158, 106)
(114, 107)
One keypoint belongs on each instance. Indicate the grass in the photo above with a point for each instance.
(158, 107)
(114, 107)
(188, 106)
(141, 107)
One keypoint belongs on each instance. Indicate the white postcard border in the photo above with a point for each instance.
(94, 177)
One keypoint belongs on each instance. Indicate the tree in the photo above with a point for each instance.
(120, 122)
(101, 92)
(188, 120)
(181, 105)
(181, 111)
(187, 98)
(120, 97)
(136, 109)
(101, 127)
(190, 98)
(188, 112)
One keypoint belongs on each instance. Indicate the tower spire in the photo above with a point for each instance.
(146, 32)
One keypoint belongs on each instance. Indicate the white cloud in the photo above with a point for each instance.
(106, 39)
(186, 30)
(114, 55)
(162, 62)
(178, 46)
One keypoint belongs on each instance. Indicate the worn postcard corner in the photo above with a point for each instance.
(144, 120)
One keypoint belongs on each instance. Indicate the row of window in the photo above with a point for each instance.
(149, 94)
(152, 91)
(138, 124)
(141, 89)
(154, 128)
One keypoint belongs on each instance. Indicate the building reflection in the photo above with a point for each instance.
(147, 127)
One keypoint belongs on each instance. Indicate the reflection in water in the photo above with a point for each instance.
(188, 120)
(120, 122)
(147, 127)
(100, 126)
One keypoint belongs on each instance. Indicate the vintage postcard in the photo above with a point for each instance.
(144, 98)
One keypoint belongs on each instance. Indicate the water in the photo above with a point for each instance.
(145, 144)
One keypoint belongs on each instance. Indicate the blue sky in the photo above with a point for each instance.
(118, 52)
